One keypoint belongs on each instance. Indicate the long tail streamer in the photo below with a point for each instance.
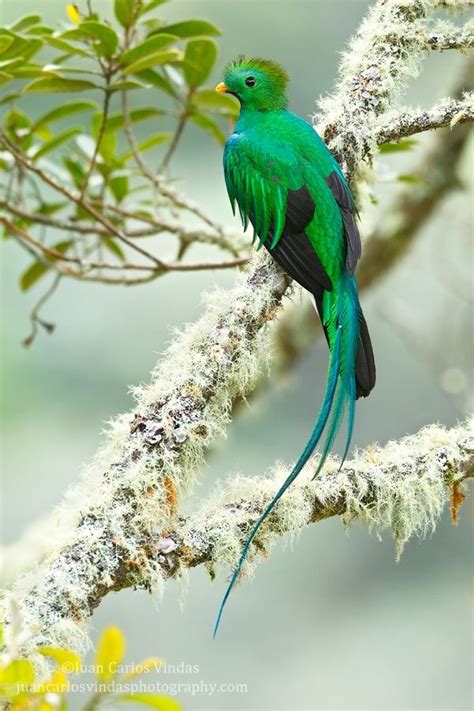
(341, 316)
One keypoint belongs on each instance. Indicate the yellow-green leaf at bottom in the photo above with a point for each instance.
(110, 652)
(153, 701)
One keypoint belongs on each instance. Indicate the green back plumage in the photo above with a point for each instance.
(270, 153)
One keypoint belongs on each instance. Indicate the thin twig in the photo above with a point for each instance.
(100, 136)
(21, 158)
(35, 313)
(183, 119)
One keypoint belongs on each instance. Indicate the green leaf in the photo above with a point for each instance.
(18, 127)
(19, 48)
(411, 179)
(12, 96)
(49, 208)
(40, 30)
(211, 100)
(76, 170)
(210, 126)
(151, 6)
(127, 11)
(115, 122)
(15, 120)
(32, 71)
(73, 107)
(10, 64)
(149, 46)
(128, 85)
(38, 269)
(59, 68)
(105, 38)
(154, 701)
(405, 144)
(55, 142)
(199, 59)
(5, 78)
(32, 275)
(189, 28)
(157, 80)
(110, 652)
(5, 42)
(153, 60)
(113, 247)
(108, 146)
(67, 47)
(59, 84)
(147, 144)
(25, 22)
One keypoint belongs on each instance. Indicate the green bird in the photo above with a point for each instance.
(288, 185)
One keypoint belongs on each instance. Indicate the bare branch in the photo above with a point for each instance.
(183, 119)
(100, 136)
(54, 260)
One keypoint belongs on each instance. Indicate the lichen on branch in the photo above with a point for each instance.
(402, 486)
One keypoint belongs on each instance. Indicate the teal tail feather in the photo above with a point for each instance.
(341, 318)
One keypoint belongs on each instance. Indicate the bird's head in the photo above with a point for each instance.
(258, 84)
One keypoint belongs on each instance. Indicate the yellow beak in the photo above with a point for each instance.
(221, 88)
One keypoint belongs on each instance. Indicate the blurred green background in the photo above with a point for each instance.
(331, 622)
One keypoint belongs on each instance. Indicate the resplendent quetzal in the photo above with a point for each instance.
(290, 187)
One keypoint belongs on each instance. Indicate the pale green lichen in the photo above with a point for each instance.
(148, 462)
(402, 487)
(384, 55)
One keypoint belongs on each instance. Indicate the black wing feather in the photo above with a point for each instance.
(345, 201)
(294, 251)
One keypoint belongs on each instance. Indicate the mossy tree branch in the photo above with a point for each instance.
(447, 113)
(402, 486)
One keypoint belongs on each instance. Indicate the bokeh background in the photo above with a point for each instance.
(331, 622)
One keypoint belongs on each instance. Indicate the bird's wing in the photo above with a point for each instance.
(343, 196)
(270, 192)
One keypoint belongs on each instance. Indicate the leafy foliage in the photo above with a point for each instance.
(22, 691)
(88, 66)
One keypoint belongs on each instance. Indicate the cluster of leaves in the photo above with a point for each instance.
(94, 56)
(87, 142)
(22, 692)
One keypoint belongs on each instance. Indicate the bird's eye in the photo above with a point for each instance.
(250, 81)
